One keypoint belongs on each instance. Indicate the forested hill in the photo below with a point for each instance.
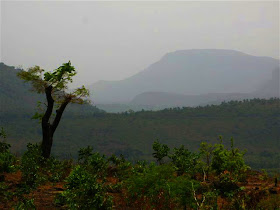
(15, 95)
(254, 124)
(17, 99)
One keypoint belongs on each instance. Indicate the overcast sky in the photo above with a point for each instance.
(114, 40)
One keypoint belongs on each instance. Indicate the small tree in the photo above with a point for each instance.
(161, 151)
(184, 160)
(206, 151)
(54, 85)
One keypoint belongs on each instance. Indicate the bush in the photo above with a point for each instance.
(184, 160)
(30, 165)
(57, 170)
(231, 160)
(161, 151)
(7, 159)
(150, 187)
(94, 162)
(181, 190)
(25, 204)
(157, 187)
(84, 154)
(83, 191)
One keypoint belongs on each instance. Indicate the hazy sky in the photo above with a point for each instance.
(114, 40)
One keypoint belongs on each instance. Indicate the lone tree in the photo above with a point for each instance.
(54, 85)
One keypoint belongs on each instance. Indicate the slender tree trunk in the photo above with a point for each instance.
(47, 128)
(47, 142)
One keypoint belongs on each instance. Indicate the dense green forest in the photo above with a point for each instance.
(254, 124)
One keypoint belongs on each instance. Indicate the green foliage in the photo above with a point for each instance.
(160, 151)
(83, 191)
(93, 180)
(184, 160)
(85, 154)
(157, 187)
(98, 163)
(206, 153)
(5, 195)
(7, 159)
(2, 134)
(151, 187)
(25, 204)
(140, 166)
(231, 160)
(30, 165)
(56, 170)
(264, 175)
(61, 76)
(181, 190)
(117, 160)
(58, 80)
(271, 203)
(121, 168)
(227, 184)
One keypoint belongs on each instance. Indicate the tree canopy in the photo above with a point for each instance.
(55, 86)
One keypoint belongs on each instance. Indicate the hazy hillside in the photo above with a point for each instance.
(15, 95)
(180, 100)
(191, 72)
(17, 99)
(266, 90)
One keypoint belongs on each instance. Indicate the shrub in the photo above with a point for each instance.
(57, 170)
(157, 187)
(30, 165)
(84, 154)
(7, 159)
(206, 153)
(228, 160)
(150, 187)
(181, 190)
(184, 160)
(25, 204)
(117, 160)
(83, 191)
(272, 202)
(94, 162)
(161, 151)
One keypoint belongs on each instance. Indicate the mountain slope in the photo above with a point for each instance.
(253, 124)
(267, 90)
(191, 72)
(16, 97)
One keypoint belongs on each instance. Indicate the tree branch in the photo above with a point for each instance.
(59, 113)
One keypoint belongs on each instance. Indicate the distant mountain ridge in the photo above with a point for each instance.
(269, 89)
(191, 72)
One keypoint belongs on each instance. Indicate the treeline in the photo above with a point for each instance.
(253, 123)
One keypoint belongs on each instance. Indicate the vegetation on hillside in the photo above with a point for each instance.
(187, 167)
(253, 123)
(215, 177)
